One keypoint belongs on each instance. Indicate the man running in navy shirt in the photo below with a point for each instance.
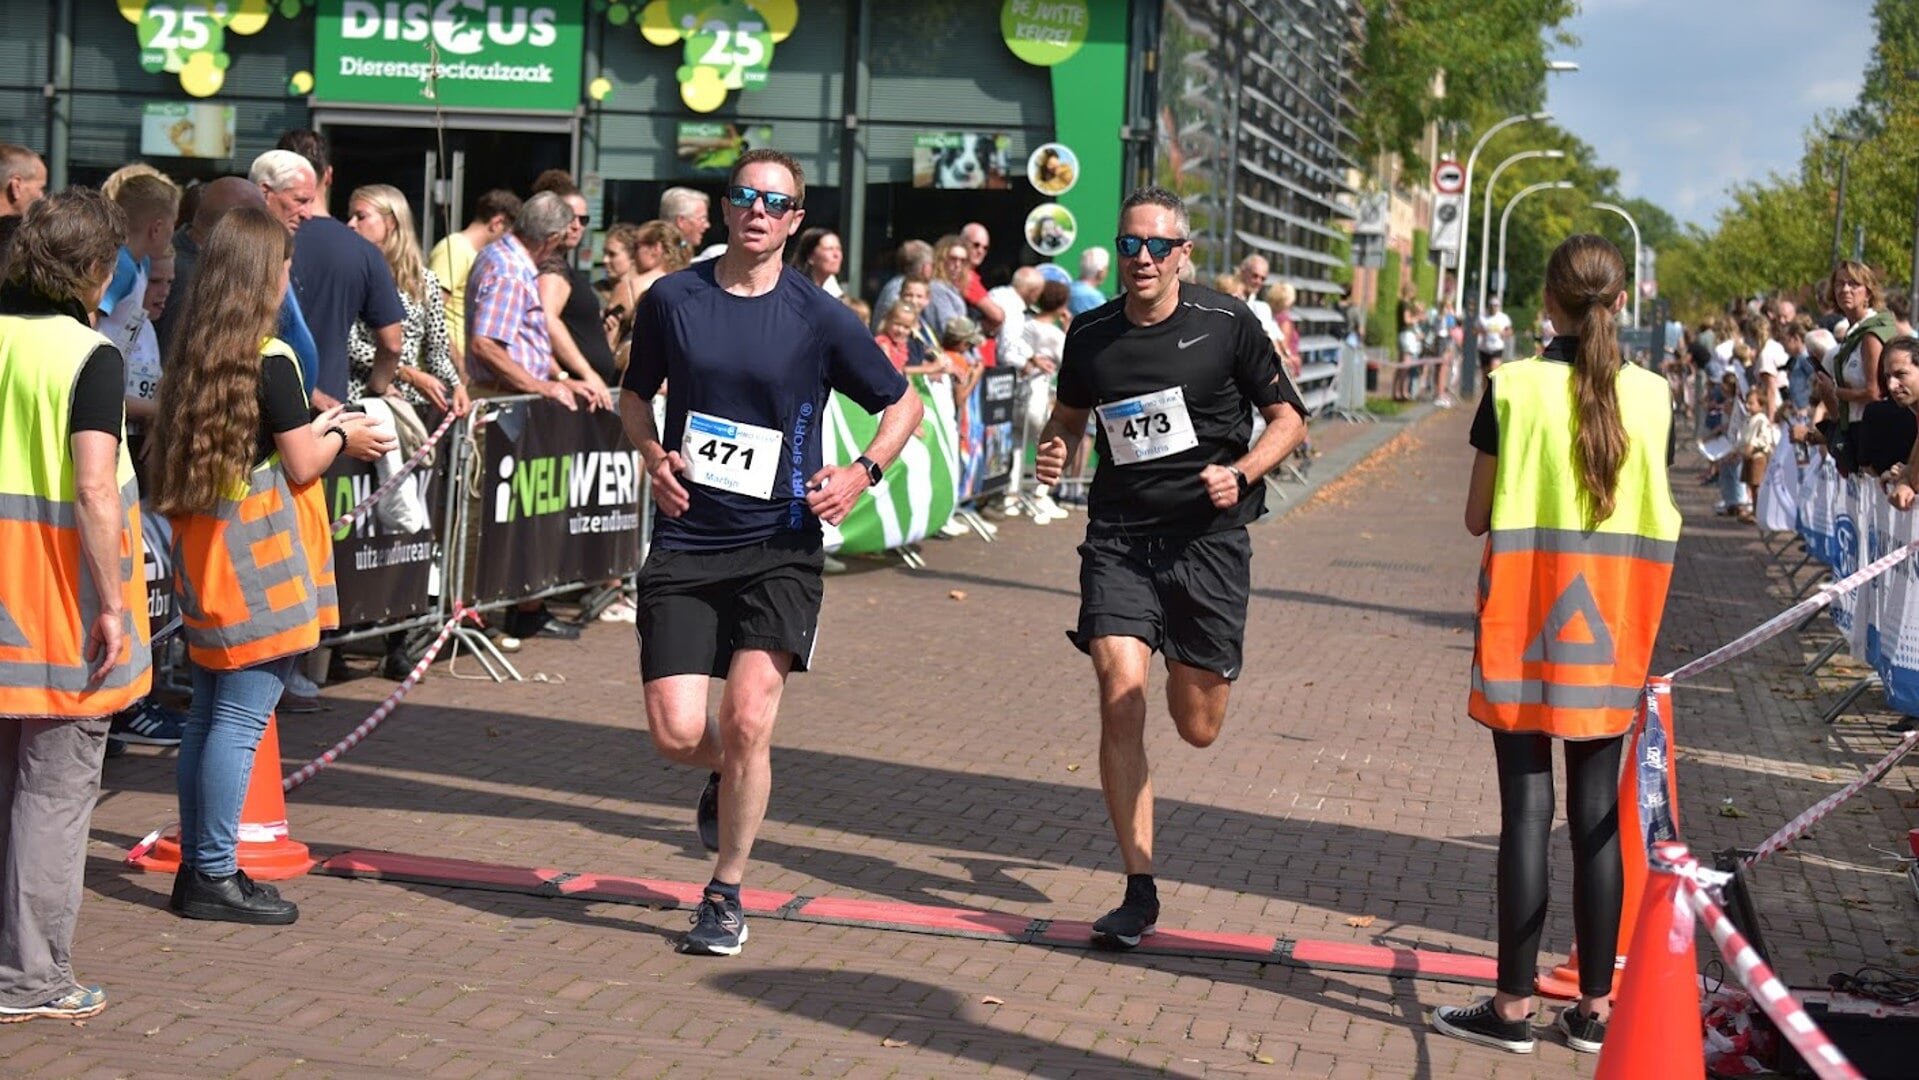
(749, 350)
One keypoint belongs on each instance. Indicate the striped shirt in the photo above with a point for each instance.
(503, 303)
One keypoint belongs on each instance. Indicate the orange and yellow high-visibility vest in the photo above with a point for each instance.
(48, 600)
(1568, 613)
(254, 579)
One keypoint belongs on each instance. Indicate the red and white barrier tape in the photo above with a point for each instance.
(354, 515)
(146, 842)
(1793, 615)
(310, 769)
(1825, 1059)
(1794, 829)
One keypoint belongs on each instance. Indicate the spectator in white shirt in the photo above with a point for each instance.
(1014, 299)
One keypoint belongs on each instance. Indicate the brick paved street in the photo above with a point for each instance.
(945, 753)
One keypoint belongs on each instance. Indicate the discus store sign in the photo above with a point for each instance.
(456, 54)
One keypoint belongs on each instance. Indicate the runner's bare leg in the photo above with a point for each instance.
(676, 718)
(1197, 699)
(1121, 665)
(747, 711)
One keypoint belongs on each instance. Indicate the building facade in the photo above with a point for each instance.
(1031, 116)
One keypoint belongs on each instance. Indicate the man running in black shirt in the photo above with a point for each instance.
(1174, 372)
(748, 349)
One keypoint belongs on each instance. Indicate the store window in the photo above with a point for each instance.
(952, 116)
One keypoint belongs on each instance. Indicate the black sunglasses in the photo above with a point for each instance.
(583, 219)
(777, 204)
(1157, 246)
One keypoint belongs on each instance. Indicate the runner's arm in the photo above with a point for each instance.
(1285, 430)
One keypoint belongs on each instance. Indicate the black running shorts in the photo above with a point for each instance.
(1183, 596)
(697, 608)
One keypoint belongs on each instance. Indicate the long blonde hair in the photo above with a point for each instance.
(401, 246)
(1584, 278)
(210, 387)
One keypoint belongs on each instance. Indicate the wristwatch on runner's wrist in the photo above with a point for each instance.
(874, 474)
(1244, 484)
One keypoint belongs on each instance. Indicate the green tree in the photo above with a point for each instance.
(1493, 53)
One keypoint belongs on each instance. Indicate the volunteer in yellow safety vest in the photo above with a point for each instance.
(241, 459)
(1571, 484)
(73, 613)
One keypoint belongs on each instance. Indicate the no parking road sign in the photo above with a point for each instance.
(1449, 177)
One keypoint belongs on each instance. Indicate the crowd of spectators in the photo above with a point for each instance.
(1765, 377)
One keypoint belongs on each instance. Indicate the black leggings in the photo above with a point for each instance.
(1525, 827)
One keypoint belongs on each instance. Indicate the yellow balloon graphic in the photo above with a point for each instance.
(250, 18)
(705, 91)
(599, 88)
(200, 77)
(301, 82)
(656, 24)
(131, 10)
(780, 15)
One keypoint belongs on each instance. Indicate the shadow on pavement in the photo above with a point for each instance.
(987, 828)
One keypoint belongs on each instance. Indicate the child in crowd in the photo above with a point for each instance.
(1756, 442)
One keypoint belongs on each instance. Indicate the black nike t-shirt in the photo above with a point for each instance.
(1213, 350)
(761, 361)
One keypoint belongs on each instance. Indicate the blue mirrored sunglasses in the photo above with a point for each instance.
(1157, 246)
(777, 204)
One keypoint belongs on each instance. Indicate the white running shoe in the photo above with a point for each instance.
(1044, 506)
(953, 529)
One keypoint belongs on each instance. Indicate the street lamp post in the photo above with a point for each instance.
(1635, 253)
(1486, 214)
(1467, 371)
(1459, 275)
(1507, 215)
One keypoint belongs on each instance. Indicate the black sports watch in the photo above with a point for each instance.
(874, 474)
(1245, 485)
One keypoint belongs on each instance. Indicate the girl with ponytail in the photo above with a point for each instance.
(1570, 483)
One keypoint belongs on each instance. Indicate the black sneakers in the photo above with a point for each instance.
(1135, 917)
(707, 814)
(234, 898)
(1478, 1023)
(1583, 1031)
(718, 928)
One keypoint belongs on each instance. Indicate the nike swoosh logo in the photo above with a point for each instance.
(1184, 344)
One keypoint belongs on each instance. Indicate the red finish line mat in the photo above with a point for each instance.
(911, 918)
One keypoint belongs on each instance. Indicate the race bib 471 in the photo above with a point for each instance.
(730, 456)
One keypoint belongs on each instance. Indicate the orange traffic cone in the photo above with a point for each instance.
(1655, 1028)
(266, 851)
(1649, 751)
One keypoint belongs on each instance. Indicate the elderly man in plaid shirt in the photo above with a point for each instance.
(509, 350)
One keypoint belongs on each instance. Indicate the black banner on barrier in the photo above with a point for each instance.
(156, 539)
(559, 501)
(385, 565)
(998, 392)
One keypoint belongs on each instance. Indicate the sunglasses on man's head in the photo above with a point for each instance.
(1157, 246)
(777, 204)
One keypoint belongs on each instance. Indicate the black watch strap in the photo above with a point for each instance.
(874, 473)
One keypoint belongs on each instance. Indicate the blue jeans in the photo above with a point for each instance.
(229, 715)
(1732, 491)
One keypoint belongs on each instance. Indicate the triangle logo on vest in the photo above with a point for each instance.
(1574, 633)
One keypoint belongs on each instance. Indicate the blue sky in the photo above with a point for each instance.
(1689, 97)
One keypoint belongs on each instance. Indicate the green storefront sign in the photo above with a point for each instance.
(457, 54)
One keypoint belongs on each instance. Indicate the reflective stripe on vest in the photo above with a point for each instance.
(254, 579)
(1568, 615)
(48, 599)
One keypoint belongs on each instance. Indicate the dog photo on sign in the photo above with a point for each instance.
(960, 160)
